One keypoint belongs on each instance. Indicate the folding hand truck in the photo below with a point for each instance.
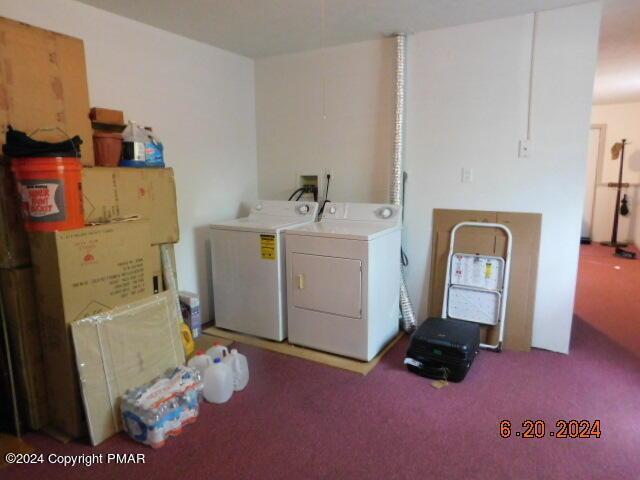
(477, 286)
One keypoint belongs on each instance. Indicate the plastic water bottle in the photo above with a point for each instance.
(239, 369)
(134, 138)
(218, 382)
(200, 361)
(217, 351)
(160, 408)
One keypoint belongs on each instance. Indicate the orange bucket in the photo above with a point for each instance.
(50, 190)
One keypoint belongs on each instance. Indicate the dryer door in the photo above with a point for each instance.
(327, 284)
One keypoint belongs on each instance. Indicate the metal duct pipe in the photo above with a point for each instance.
(406, 309)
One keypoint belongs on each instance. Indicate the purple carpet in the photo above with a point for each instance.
(298, 419)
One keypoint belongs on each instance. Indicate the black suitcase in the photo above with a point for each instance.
(443, 349)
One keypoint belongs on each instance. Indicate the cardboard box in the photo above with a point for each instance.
(18, 295)
(122, 349)
(79, 273)
(14, 244)
(115, 193)
(43, 84)
(525, 228)
(190, 304)
(106, 116)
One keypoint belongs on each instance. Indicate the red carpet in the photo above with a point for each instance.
(299, 420)
(609, 295)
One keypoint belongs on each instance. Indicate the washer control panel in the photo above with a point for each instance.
(284, 208)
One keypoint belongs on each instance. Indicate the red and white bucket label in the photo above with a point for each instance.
(42, 200)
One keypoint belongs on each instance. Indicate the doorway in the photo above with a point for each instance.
(595, 154)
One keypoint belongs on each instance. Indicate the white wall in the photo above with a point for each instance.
(199, 100)
(351, 86)
(467, 107)
(622, 121)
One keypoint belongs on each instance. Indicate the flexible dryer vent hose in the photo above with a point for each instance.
(406, 309)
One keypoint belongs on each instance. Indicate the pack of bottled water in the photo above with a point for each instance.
(159, 409)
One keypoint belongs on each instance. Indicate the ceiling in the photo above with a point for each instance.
(618, 73)
(260, 28)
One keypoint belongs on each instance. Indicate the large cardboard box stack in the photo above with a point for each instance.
(79, 273)
(43, 88)
(49, 280)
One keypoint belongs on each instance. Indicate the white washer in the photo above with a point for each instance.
(343, 279)
(248, 267)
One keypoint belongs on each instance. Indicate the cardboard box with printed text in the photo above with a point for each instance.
(115, 192)
(79, 273)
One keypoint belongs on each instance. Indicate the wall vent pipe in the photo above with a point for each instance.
(408, 319)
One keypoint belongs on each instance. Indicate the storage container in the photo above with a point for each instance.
(218, 382)
(50, 190)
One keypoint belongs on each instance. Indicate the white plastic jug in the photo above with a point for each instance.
(217, 351)
(200, 361)
(239, 369)
(218, 382)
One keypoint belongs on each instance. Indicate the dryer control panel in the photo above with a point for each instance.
(365, 212)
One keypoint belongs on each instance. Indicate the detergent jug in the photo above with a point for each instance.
(141, 148)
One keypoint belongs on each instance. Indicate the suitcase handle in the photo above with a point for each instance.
(443, 371)
(431, 372)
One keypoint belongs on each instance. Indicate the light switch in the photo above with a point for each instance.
(467, 175)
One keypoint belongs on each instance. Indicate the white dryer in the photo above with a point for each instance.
(344, 279)
(248, 267)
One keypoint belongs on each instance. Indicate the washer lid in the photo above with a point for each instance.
(272, 216)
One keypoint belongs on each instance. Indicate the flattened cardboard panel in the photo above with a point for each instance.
(121, 349)
(18, 294)
(43, 84)
(526, 228)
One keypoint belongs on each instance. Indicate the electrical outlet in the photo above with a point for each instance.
(307, 178)
(524, 148)
(467, 175)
